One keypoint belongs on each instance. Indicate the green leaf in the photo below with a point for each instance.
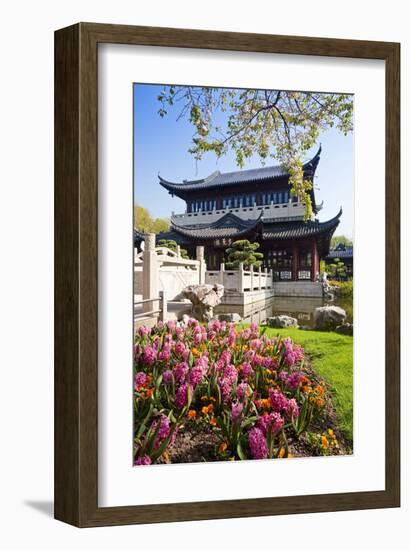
(240, 451)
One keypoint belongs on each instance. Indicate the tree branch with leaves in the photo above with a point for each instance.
(144, 222)
(268, 123)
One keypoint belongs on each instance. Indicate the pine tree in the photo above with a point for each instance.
(243, 252)
(172, 245)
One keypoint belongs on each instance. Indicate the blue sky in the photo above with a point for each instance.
(161, 146)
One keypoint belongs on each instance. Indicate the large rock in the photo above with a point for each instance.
(346, 328)
(229, 317)
(281, 321)
(204, 298)
(328, 317)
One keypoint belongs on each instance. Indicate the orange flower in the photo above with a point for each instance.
(264, 404)
(325, 442)
(166, 456)
(282, 452)
(210, 408)
(222, 447)
(332, 435)
(191, 413)
(213, 421)
(320, 390)
(195, 352)
(150, 392)
(319, 402)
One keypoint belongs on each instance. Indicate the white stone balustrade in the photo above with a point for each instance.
(149, 273)
(287, 210)
(241, 280)
(160, 275)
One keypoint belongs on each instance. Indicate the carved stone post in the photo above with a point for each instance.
(222, 274)
(240, 278)
(266, 284)
(163, 306)
(178, 251)
(260, 278)
(200, 256)
(150, 273)
(251, 269)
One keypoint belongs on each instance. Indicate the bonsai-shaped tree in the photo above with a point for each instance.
(172, 245)
(337, 270)
(243, 252)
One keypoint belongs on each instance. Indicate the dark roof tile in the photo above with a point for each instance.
(299, 229)
(341, 253)
(218, 179)
(229, 225)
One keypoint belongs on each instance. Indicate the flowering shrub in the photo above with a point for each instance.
(249, 389)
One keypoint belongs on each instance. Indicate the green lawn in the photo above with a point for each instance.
(332, 358)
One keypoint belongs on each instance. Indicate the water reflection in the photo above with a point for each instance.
(303, 309)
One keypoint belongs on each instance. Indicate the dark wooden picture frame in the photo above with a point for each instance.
(76, 298)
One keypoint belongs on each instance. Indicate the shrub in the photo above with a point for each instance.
(343, 289)
(243, 252)
(172, 245)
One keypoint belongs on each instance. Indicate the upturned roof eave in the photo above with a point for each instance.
(282, 230)
(182, 188)
(292, 230)
(243, 227)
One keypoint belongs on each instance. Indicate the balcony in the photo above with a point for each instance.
(283, 211)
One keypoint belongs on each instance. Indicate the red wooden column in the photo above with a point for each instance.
(295, 262)
(315, 261)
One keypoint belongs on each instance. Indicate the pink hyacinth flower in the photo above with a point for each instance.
(257, 443)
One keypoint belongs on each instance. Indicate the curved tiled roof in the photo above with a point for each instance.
(346, 252)
(299, 229)
(218, 179)
(233, 226)
(227, 226)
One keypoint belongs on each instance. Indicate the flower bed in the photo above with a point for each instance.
(251, 391)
